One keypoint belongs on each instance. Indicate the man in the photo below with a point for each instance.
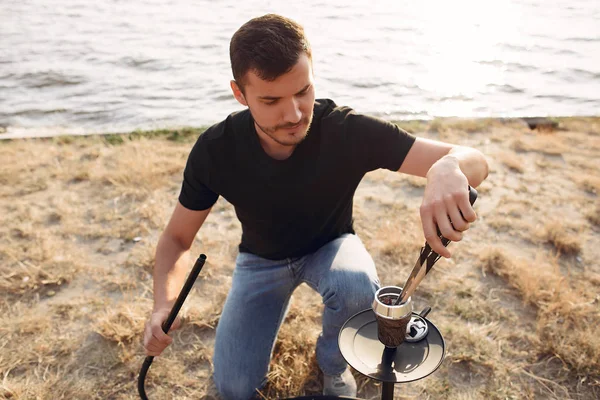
(290, 165)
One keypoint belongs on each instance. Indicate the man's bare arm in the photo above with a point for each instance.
(426, 152)
(172, 254)
(171, 265)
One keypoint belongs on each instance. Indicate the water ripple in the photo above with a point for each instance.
(583, 39)
(43, 79)
(509, 65)
(506, 88)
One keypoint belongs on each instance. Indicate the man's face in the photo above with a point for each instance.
(282, 109)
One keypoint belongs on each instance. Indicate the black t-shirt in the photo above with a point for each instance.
(289, 208)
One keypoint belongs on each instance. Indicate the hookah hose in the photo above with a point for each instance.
(170, 319)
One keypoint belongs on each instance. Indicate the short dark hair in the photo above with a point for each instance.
(269, 45)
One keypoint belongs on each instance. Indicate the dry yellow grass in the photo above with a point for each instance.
(545, 144)
(518, 303)
(562, 237)
(594, 215)
(461, 125)
(512, 161)
(566, 316)
(589, 183)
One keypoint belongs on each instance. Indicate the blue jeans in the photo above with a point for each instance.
(342, 272)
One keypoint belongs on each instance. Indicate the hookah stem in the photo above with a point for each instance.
(387, 392)
(187, 286)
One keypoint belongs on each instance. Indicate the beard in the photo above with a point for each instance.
(285, 137)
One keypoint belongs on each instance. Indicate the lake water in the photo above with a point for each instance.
(76, 66)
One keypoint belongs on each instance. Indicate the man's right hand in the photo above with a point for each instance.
(155, 340)
(170, 267)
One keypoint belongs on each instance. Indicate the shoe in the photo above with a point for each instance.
(339, 385)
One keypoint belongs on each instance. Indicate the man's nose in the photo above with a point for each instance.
(292, 113)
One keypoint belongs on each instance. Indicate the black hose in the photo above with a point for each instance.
(170, 319)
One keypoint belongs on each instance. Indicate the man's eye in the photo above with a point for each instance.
(270, 103)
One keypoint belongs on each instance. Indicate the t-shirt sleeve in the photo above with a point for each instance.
(377, 143)
(195, 192)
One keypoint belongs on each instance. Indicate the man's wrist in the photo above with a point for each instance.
(444, 164)
(162, 306)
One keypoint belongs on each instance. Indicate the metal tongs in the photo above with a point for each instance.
(428, 257)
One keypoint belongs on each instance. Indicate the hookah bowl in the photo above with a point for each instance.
(392, 320)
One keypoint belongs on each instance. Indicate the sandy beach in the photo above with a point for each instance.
(518, 304)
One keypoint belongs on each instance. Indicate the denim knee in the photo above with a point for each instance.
(350, 292)
(362, 294)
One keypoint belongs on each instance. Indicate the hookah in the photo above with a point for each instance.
(389, 343)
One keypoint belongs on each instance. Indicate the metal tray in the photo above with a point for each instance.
(408, 362)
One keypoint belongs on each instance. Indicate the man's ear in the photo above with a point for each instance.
(237, 93)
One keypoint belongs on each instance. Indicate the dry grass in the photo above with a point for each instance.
(416, 181)
(121, 325)
(461, 125)
(589, 183)
(590, 125)
(32, 263)
(565, 316)
(82, 217)
(594, 215)
(512, 161)
(562, 237)
(544, 144)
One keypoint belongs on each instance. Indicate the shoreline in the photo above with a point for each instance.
(412, 125)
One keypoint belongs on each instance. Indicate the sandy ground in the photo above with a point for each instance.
(518, 304)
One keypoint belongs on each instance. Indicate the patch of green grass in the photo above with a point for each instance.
(179, 135)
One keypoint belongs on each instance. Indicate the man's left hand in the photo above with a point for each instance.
(446, 204)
